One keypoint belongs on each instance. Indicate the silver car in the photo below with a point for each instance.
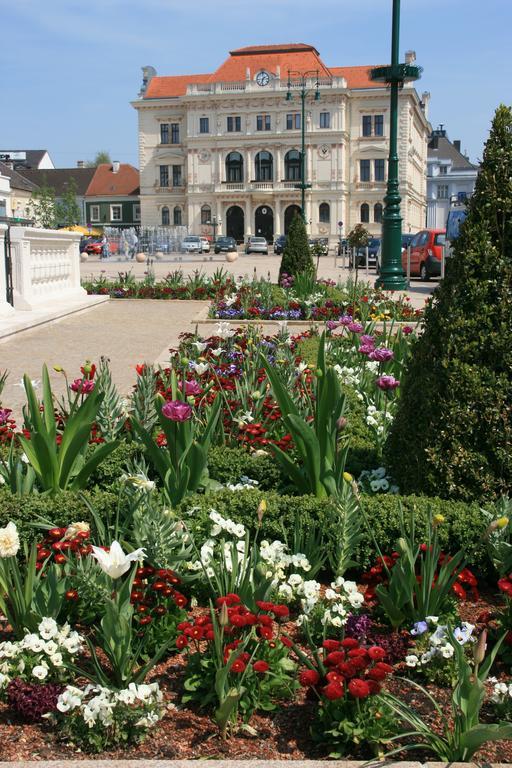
(191, 244)
(256, 245)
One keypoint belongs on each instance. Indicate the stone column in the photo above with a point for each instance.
(248, 167)
(278, 167)
(278, 230)
(249, 217)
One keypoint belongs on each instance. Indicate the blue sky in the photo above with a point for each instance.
(69, 68)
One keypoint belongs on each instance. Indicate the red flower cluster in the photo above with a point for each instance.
(505, 585)
(377, 574)
(7, 426)
(351, 668)
(55, 545)
(152, 589)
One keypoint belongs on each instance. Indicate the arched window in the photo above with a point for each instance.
(165, 216)
(377, 213)
(292, 169)
(365, 213)
(206, 214)
(264, 166)
(234, 167)
(177, 216)
(324, 213)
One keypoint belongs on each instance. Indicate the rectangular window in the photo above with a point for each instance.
(443, 170)
(116, 213)
(176, 175)
(364, 170)
(136, 212)
(378, 125)
(442, 191)
(95, 213)
(164, 133)
(325, 119)
(175, 133)
(164, 175)
(367, 125)
(263, 122)
(379, 171)
(293, 121)
(204, 125)
(234, 123)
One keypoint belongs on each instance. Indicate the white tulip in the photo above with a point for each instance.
(115, 562)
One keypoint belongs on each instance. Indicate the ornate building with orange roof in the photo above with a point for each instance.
(221, 152)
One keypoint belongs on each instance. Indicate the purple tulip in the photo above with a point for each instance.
(83, 386)
(346, 319)
(367, 339)
(4, 415)
(382, 355)
(191, 388)
(176, 410)
(355, 327)
(406, 330)
(387, 383)
(332, 324)
(366, 349)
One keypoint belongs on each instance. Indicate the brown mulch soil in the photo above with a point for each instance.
(186, 733)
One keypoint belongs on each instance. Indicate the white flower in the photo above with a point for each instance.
(40, 672)
(114, 562)
(295, 580)
(48, 628)
(9, 541)
(463, 633)
(35, 383)
(4, 681)
(126, 696)
(69, 699)
(33, 643)
(57, 660)
(411, 660)
(200, 368)
(217, 352)
(200, 346)
(51, 647)
(224, 331)
(75, 528)
(447, 651)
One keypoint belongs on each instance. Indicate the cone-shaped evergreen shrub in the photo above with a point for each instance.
(452, 435)
(296, 256)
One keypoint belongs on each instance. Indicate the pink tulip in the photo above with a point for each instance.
(84, 386)
(176, 410)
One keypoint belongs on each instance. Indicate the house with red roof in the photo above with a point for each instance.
(112, 196)
(223, 151)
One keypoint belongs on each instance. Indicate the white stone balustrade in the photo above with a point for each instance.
(46, 267)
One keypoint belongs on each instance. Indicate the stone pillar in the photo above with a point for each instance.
(248, 167)
(278, 167)
(5, 308)
(278, 227)
(249, 218)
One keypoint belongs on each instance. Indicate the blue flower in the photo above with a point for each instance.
(419, 628)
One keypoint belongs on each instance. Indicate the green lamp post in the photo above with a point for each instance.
(300, 79)
(391, 272)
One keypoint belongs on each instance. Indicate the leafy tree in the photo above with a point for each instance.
(42, 206)
(67, 209)
(358, 237)
(101, 157)
(452, 435)
(296, 258)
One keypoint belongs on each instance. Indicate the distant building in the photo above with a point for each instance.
(451, 177)
(15, 193)
(222, 151)
(59, 180)
(20, 159)
(112, 197)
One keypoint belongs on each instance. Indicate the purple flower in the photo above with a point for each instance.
(176, 410)
(407, 330)
(83, 386)
(367, 339)
(4, 415)
(354, 327)
(382, 355)
(332, 324)
(358, 626)
(366, 349)
(346, 319)
(191, 388)
(387, 383)
(419, 628)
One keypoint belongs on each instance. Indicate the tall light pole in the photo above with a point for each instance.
(391, 273)
(301, 78)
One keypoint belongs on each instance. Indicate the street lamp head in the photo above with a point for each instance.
(288, 96)
(317, 94)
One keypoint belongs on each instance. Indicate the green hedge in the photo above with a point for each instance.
(228, 465)
(64, 508)
(110, 470)
(464, 524)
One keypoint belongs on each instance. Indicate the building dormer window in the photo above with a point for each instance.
(443, 170)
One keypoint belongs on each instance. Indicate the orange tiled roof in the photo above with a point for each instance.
(297, 57)
(357, 77)
(106, 183)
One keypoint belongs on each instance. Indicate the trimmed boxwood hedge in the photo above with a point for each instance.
(464, 524)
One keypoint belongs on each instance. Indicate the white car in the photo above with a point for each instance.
(205, 245)
(191, 244)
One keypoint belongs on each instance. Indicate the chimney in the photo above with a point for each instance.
(456, 144)
(425, 102)
(148, 73)
(410, 57)
(115, 166)
(80, 163)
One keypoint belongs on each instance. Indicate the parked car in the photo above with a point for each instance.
(93, 246)
(279, 244)
(406, 241)
(191, 244)
(224, 244)
(321, 242)
(426, 253)
(256, 245)
(205, 245)
(360, 260)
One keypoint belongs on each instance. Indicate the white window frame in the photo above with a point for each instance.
(136, 211)
(120, 208)
(95, 212)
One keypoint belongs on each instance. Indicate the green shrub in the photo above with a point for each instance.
(296, 257)
(464, 524)
(452, 434)
(64, 508)
(110, 470)
(228, 465)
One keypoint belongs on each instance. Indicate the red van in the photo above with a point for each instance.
(426, 253)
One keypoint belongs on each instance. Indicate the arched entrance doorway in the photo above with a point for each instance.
(264, 222)
(235, 223)
(289, 215)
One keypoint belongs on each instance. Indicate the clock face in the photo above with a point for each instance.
(263, 78)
